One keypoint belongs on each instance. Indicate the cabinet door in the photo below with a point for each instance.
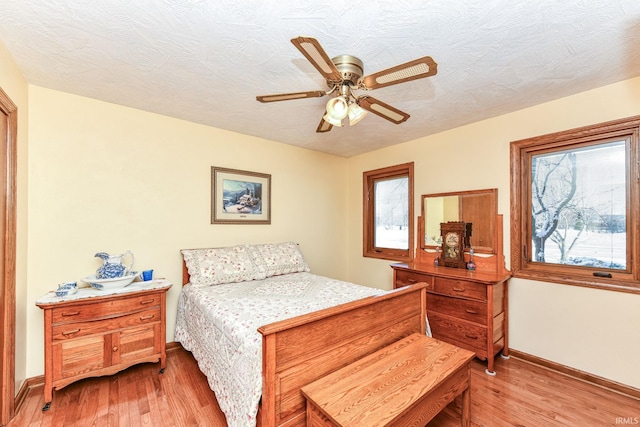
(134, 344)
(76, 357)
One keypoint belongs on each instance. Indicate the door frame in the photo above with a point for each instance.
(8, 266)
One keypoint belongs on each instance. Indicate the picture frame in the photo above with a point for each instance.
(240, 197)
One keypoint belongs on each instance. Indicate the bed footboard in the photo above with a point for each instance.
(300, 350)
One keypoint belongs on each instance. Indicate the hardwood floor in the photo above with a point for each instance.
(521, 394)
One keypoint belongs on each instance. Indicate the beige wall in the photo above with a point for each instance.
(15, 86)
(108, 178)
(591, 330)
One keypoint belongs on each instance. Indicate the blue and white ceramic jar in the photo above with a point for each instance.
(113, 266)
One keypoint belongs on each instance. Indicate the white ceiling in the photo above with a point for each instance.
(205, 61)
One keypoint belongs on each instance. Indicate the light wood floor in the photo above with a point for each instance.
(521, 394)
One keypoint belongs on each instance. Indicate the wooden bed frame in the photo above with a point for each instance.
(298, 351)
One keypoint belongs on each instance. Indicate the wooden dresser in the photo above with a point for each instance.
(90, 335)
(465, 308)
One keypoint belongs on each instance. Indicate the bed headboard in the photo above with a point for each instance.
(185, 273)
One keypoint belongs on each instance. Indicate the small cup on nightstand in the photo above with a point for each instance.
(68, 288)
(147, 275)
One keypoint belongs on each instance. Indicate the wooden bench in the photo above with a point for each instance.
(406, 383)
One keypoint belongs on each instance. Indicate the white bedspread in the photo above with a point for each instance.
(218, 324)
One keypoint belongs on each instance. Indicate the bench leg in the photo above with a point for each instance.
(466, 407)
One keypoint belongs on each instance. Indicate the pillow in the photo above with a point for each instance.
(279, 258)
(216, 266)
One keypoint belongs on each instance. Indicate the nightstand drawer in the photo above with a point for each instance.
(104, 309)
(460, 288)
(77, 329)
(473, 311)
(405, 278)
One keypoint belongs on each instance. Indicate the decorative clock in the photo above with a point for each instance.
(453, 240)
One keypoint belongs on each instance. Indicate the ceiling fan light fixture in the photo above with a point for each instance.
(356, 114)
(338, 108)
(332, 120)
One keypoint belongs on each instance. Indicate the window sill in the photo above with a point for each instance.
(616, 285)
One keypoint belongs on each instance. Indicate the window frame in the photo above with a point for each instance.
(522, 151)
(369, 179)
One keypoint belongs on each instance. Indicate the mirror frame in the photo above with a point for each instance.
(490, 209)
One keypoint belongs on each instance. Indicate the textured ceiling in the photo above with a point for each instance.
(205, 61)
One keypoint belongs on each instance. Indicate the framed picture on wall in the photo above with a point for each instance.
(240, 197)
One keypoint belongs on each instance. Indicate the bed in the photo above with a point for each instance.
(261, 326)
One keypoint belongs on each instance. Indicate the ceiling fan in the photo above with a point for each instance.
(344, 75)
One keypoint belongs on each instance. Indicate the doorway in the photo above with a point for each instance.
(8, 164)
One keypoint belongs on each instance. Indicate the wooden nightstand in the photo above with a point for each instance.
(91, 334)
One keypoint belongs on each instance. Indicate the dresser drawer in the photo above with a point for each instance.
(78, 329)
(471, 336)
(104, 309)
(460, 288)
(405, 278)
(473, 311)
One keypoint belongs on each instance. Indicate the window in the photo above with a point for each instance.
(388, 213)
(575, 207)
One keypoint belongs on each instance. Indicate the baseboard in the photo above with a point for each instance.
(173, 345)
(577, 374)
(26, 386)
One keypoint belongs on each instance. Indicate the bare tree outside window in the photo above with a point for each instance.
(578, 200)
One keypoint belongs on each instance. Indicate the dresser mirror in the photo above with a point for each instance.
(478, 207)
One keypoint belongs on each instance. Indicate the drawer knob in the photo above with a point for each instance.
(471, 337)
(412, 281)
(147, 317)
(470, 311)
(459, 289)
(70, 313)
(147, 301)
(75, 331)
(115, 348)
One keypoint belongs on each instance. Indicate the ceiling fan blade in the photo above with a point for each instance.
(383, 110)
(324, 126)
(288, 96)
(413, 70)
(312, 50)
